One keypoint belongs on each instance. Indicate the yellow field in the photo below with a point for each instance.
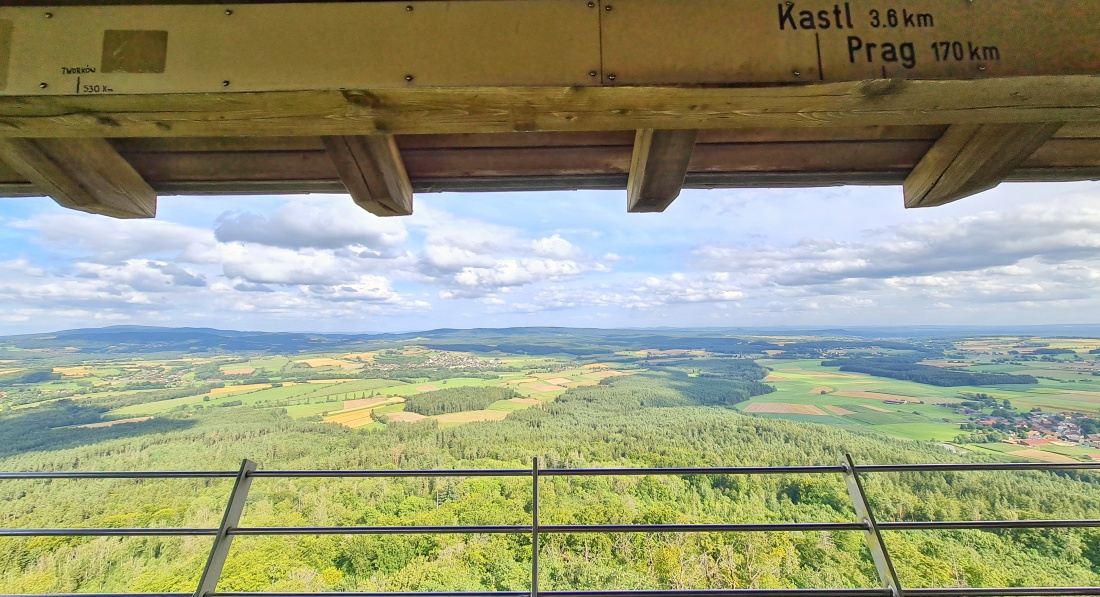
(875, 408)
(12, 370)
(468, 416)
(324, 362)
(784, 409)
(426, 388)
(558, 381)
(241, 388)
(774, 377)
(365, 356)
(542, 387)
(341, 380)
(596, 366)
(404, 417)
(821, 389)
(356, 418)
(367, 402)
(1041, 455)
(525, 401)
(76, 371)
(836, 410)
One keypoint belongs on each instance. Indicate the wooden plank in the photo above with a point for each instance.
(512, 109)
(971, 158)
(657, 169)
(1065, 153)
(216, 144)
(811, 157)
(555, 140)
(832, 133)
(510, 140)
(291, 46)
(271, 166)
(1079, 130)
(650, 42)
(370, 167)
(83, 174)
(355, 45)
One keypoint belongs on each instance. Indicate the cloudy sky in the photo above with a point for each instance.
(1021, 254)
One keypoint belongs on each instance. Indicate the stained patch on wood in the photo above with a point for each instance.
(134, 51)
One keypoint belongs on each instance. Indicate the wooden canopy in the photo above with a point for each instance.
(104, 105)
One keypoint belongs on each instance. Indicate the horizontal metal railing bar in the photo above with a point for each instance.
(99, 595)
(376, 594)
(723, 593)
(561, 472)
(107, 532)
(1003, 592)
(976, 466)
(117, 475)
(555, 529)
(499, 472)
(862, 592)
(703, 527)
(717, 470)
(611, 593)
(930, 525)
(385, 530)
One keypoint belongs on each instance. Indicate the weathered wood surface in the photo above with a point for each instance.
(658, 166)
(371, 168)
(82, 174)
(286, 46)
(971, 158)
(522, 109)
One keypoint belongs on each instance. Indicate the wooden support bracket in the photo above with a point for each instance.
(370, 167)
(658, 168)
(971, 158)
(83, 174)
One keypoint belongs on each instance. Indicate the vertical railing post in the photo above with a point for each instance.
(881, 557)
(535, 527)
(208, 582)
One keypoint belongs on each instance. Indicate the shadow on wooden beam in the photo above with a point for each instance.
(658, 168)
(83, 174)
(370, 167)
(971, 158)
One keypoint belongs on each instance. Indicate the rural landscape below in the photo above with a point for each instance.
(144, 398)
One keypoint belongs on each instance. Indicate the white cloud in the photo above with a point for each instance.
(315, 222)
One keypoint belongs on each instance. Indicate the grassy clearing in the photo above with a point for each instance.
(513, 404)
(469, 416)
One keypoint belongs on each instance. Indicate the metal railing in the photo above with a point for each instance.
(851, 472)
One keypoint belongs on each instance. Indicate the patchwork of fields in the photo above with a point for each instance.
(365, 389)
(806, 391)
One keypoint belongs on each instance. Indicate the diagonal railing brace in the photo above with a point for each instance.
(218, 552)
(879, 554)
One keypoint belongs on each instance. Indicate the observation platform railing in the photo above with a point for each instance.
(851, 472)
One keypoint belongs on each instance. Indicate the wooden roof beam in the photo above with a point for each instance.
(971, 158)
(82, 174)
(371, 168)
(658, 168)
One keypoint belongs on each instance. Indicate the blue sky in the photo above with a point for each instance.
(1020, 254)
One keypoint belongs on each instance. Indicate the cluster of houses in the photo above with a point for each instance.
(1037, 428)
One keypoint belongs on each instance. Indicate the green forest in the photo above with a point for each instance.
(453, 400)
(655, 419)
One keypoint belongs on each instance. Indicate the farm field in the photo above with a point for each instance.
(855, 400)
(353, 385)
